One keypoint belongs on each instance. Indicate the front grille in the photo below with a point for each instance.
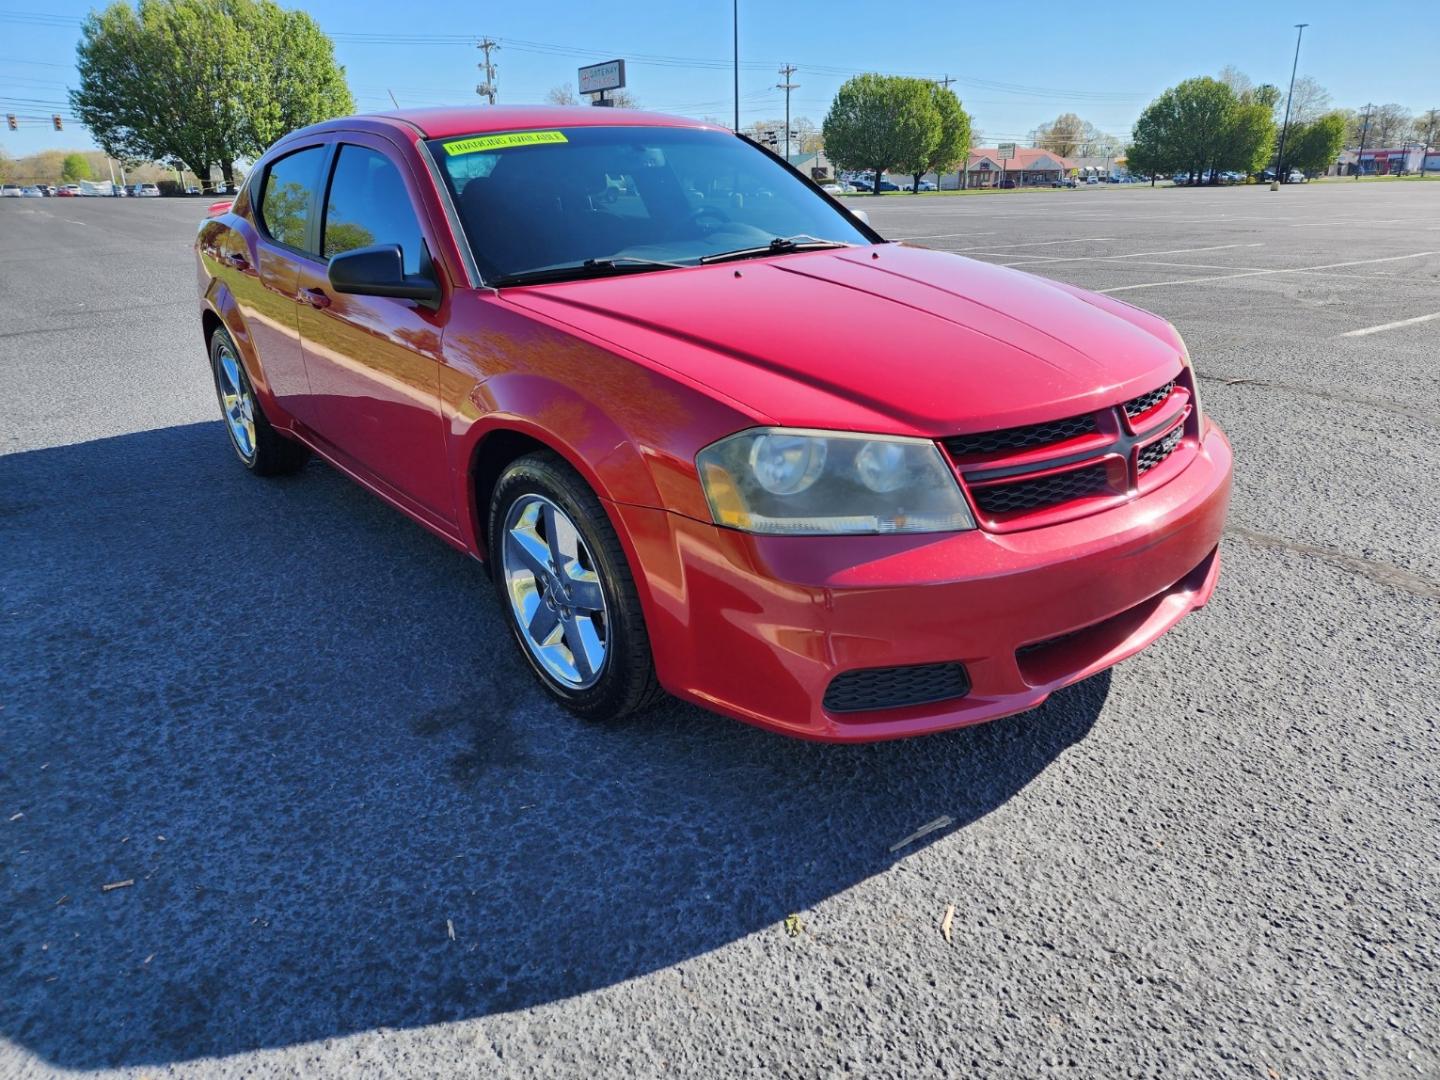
(1145, 402)
(1160, 449)
(1021, 438)
(871, 689)
(1045, 491)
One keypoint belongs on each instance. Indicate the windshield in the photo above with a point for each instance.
(627, 197)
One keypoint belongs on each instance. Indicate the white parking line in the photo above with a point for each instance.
(1391, 325)
(1256, 273)
(1346, 221)
(1045, 243)
(1132, 255)
(940, 235)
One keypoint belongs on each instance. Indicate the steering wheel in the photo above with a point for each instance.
(721, 218)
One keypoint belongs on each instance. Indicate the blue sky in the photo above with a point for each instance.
(1016, 63)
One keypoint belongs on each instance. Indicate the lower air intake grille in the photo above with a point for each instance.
(1021, 438)
(1046, 491)
(1160, 449)
(870, 689)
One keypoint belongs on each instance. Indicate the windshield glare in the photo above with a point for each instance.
(634, 193)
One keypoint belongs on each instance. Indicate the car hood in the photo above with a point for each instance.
(887, 338)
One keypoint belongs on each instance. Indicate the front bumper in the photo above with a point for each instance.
(757, 626)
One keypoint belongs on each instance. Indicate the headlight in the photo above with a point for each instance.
(779, 480)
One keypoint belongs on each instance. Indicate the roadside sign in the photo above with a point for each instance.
(1005, 151)
(597, 78)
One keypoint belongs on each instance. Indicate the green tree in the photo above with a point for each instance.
(293, 78)
(953, 145)
(74, 168)
(1269, 95)
(202, 82)
(880, 122)
(1313, 148)
(1200, 125)
(1249, 137)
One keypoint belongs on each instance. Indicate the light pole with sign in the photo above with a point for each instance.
(598, 78)
(1005, 152)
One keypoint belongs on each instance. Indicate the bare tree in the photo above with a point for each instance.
(807, 135)
(1236, 79)
(1064, 135)
(1308, 102)
(1097, 143)
(620, 99)
(564, 94)
(1390, 125)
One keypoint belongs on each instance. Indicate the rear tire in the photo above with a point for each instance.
(260, 448)
(565, 587)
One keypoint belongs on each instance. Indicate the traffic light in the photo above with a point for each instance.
(59, 125)
(10, 120)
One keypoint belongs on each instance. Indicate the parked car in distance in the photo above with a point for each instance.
(11, 191)
(926, 185)
(1065, 182)
(147, 191)
(68, 191)
(831, 187)
(817, 532)
(32, 193)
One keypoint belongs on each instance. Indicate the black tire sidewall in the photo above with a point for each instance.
(544, 475)
(221, 338)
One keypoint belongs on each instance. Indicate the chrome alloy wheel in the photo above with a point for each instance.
(554, 592)
(237, 401)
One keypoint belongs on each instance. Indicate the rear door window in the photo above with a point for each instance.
(288, 194)
(367, 204)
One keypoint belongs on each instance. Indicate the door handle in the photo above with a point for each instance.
(316, 298)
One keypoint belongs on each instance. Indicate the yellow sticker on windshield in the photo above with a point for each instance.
(503, 142)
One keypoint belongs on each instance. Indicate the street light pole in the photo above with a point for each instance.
(1285, 128)
(735, 13)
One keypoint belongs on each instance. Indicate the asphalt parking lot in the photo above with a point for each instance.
(360, 843)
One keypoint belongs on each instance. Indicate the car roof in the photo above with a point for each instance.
(451, 120)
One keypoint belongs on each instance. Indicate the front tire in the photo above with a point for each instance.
(260, 448)
(566, 590)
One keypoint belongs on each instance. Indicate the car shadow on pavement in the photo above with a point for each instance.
(277, 774)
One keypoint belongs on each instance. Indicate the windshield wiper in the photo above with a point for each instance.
(779, 246)
(590, 268)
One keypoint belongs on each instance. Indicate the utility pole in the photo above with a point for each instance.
(735, 16)
(1284, 129)
(1364, 130)
(945, 82)
(487, 88)
(1429, 134)
(787, 86)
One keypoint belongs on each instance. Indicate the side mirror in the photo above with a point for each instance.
(379, 270)
(862, 215)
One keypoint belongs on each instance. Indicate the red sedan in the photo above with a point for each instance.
(707, 429)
